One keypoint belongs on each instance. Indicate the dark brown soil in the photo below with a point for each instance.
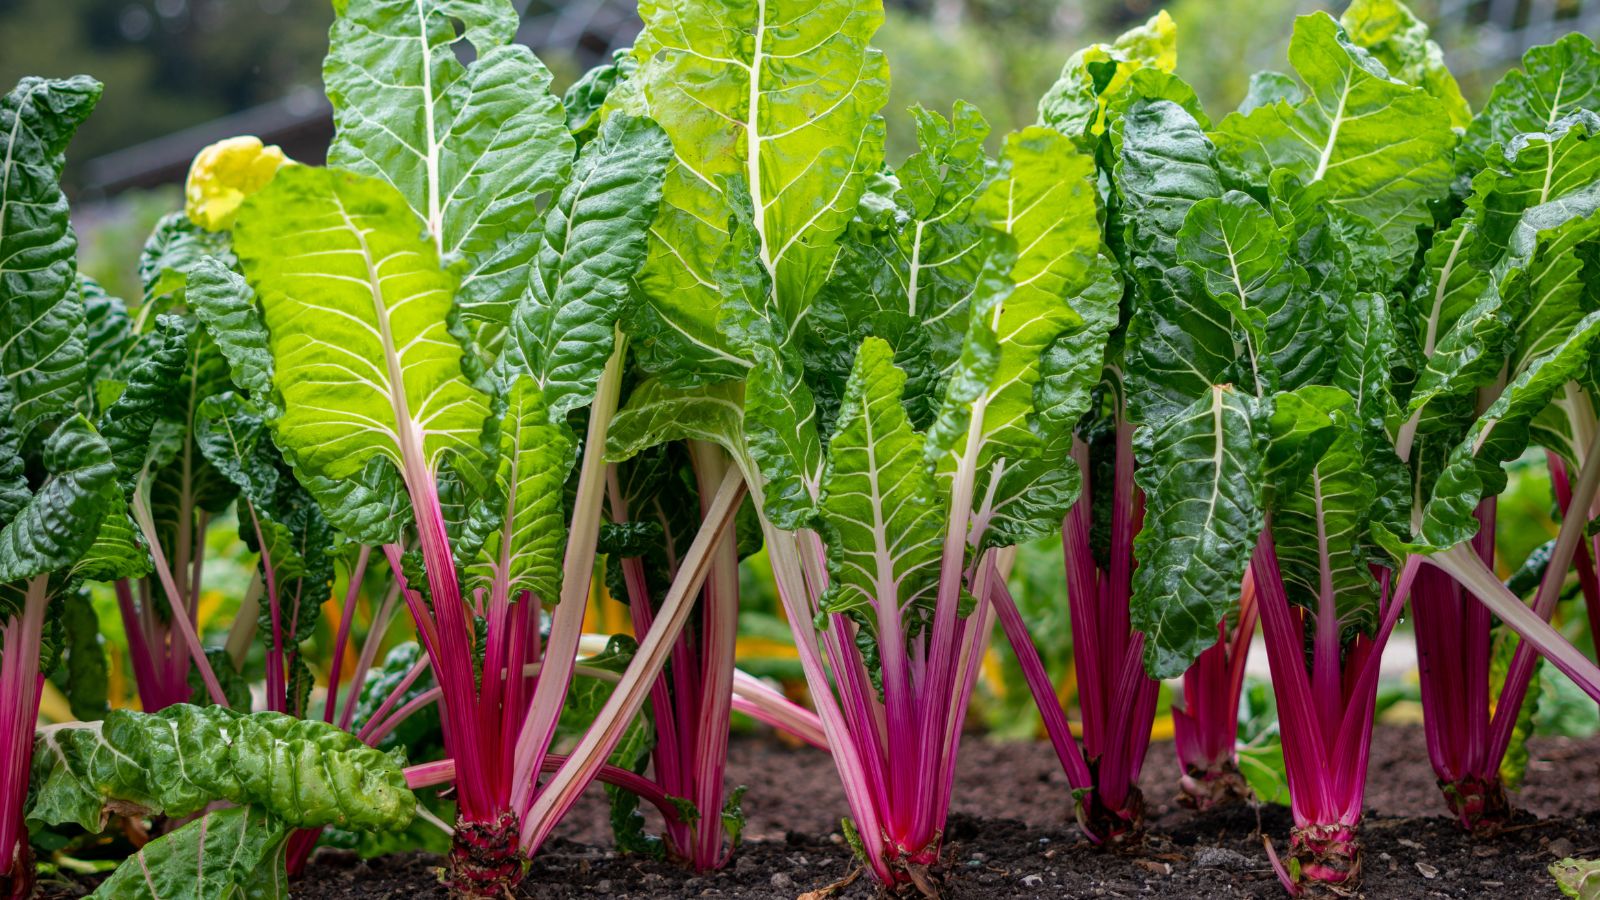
(1008, 837)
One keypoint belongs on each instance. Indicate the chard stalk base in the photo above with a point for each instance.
(485, 862)
(1327, 860)
(1218, 787)
(1479, 804)
(1115, 828)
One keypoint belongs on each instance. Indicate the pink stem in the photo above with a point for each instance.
(342, 639)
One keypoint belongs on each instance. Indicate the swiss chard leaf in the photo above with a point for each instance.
(1382, 146)
(42, 334)
(472, 149)
(783, 95)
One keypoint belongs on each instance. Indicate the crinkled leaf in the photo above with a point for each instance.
(357, 307)
(1319, 527)
(1075, 104)
(302, 773)
(1474, 468)
(1200, 471)
(879, 500)
(472, 149)
(1398, 39)
(233, 852)
(225, 305)
(1555, 80)
(151, 399)
(82, 676)
(41, 322)
(1382, 145)
(61, 518)
(523, 551)
(108, 338)
(591, 243)
(782, 94)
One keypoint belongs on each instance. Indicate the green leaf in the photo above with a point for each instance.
(233, 852)
(41, 321)
(1398, 39)
(919, 264)
(62, 517)
(472, 149)
(379, 376)
(1532, 169)
(1319, 526)
(1043, 200)
(108, 339)
(150, 400)
(524, 550)
(1382, 146)
(1473, 470)
(656, 413)
(225, 305)
(118, 550)
(1579, 878)
(1075, 104)
(83, 674)
(1201, 475)
(782, 94)
(304, 774)
(879, 502)
(590, 245)
(175, 246)
(1233, 244)
(1268, 87)
(586, 97)
(1165, 164)
(1460, 327)
(1555, 80)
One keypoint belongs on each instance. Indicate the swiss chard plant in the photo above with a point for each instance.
(1498, 352)
(421, 386)
(893, 361)
(57, 472)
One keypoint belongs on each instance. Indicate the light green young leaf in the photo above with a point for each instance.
(1075, 104)
(783, 94)
(1398, 39)
(590, 245)
(41, 322)
(1043, 198)
(1383, 146)
(1268, 87)
(879, 502)
(1200, 471)
(523, 552)
(471, 149)
(357, 308)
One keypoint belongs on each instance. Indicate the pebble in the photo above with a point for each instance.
(1224, 859)
(1560, 847)
(1032, 880)
(781, 881)
(1427, 870)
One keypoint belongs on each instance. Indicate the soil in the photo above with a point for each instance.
(1008, 837)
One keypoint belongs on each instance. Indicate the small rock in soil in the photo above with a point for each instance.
(781, 881)
(1561, 848)
(1032, 880)
(1224, 859)
(1427, 870)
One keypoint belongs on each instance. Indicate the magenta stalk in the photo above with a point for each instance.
(1205, 715)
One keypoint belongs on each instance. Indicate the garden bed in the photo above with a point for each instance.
(1023, 848)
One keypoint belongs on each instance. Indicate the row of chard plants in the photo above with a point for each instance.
(1262, 368)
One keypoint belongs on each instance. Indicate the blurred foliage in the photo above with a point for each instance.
(166, 64)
